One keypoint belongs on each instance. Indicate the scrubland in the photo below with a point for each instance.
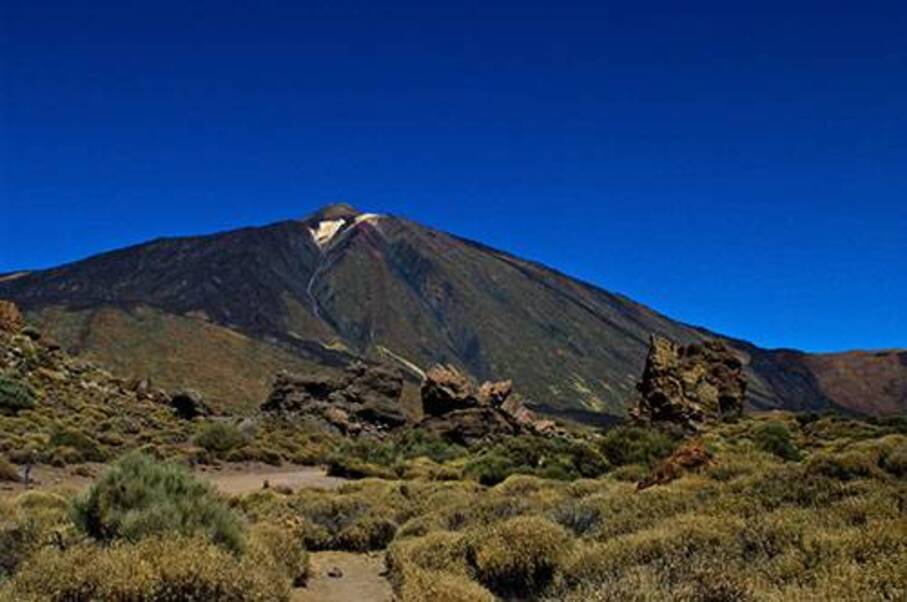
(792, 507)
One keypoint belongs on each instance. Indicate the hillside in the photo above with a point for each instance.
(223, 312)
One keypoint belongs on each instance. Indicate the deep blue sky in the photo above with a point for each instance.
(743, 168)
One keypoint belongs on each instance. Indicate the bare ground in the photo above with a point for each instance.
(232, 480)
(362, 579)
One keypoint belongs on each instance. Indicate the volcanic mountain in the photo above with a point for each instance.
(223, 312)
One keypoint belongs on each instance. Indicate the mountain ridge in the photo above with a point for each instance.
(341, 284)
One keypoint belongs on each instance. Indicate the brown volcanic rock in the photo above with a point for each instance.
(687, 458)
(365, 399)
(472, 425)
(461, 412)
(689, 385)
(446, 389)
(10, 319)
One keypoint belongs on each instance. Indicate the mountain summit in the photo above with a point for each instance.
(224, 312)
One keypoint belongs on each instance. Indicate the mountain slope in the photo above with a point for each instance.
(341, 284)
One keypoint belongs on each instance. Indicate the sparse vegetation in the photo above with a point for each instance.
(138, 497)
(219, 437)
(15, 396)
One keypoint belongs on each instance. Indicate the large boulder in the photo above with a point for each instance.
(690, 385)
(462, 412)
(446, 389)
(472, 425)
(364, 399)
(188, 404)
(10, 318)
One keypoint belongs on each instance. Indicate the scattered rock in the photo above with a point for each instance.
(10, 318)
(688, 386)
(189, 405)
(689, 457)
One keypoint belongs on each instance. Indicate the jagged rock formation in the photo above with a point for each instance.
(363, 400)
(10, 318)
(690, 385)
(368, 400)
(461, 412)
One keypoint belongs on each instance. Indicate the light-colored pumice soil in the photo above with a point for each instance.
(361, 579)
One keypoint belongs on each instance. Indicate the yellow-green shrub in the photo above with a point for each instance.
(284, 544)
(153, 570)
(420, 585)
(519, 556)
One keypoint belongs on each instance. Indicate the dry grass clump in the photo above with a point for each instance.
(8, 471)
(420, 585)
(519, 557)
(153, 570)
(283, 543)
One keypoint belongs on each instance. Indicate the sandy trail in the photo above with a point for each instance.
(231, 480)
(362, 579)
(241, 481)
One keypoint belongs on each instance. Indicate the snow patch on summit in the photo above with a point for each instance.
(326, 230)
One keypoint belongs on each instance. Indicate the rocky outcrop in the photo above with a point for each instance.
(189, 405)
(687, 386)
(364, 399)
(10, 318)
(462, 412)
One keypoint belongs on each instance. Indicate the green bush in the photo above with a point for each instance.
(219, 437)
(15, 396)
(558, 459)
(636, 445)
(519, 557)
(74, 447)
(775, 438)
(138, 497)
(896, 462)
(8, 471)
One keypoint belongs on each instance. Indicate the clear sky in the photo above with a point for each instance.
(737, 165)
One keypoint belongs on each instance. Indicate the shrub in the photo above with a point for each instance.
(75, 446)
(558, 459)
(138, 497)
(420, 585)
(153, 570)
(491, 469)
(283, 543)
(219, 437)
(775, 438)
(27, 524)
(636, 445)
(442, 551)
(896, 462)
(845, 466)
(8, 471)
(347, 467)
(15, 396)
(519, 557)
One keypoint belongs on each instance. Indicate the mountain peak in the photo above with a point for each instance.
(336, 211)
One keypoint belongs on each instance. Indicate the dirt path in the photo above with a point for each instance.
(232, 480)
(360, 579)
(243, 480)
